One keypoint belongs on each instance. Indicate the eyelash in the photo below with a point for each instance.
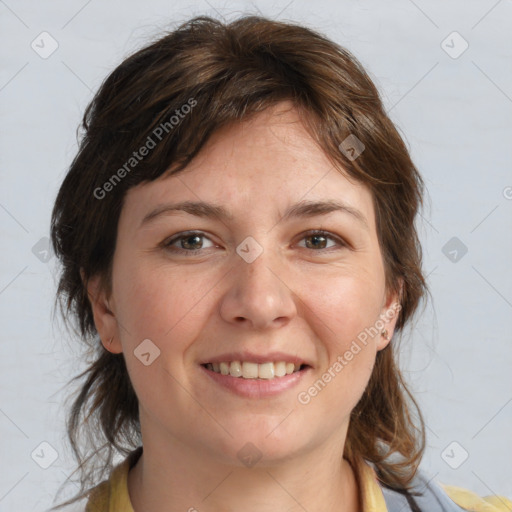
(193, 252)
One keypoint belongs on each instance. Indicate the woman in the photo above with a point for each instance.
(238, 245)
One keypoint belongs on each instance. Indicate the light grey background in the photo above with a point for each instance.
(455, 114)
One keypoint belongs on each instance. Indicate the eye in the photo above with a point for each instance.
(319, 240)
(189, 243)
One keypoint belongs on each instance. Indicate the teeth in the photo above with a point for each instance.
(235, 370)
(280, 369)
(266, 371)
(248, 370)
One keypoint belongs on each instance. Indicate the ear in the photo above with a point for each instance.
(389, 315)
(103, 310)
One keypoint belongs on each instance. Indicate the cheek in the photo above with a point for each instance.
(168, 308)
(345, 305)
(157, 302)
(344, 312)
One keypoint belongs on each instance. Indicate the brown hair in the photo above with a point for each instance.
(227, 73)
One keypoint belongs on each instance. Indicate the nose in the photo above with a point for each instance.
(259, 295)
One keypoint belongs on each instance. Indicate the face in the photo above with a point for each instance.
(268, 281)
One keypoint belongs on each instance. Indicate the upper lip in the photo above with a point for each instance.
(256, 358)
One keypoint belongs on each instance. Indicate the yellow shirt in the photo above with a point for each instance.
(112, 495)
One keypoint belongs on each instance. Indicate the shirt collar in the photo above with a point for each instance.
(370, 492)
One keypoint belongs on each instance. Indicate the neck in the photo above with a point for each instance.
(179, 478)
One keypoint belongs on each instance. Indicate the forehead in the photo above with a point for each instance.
(263, 164)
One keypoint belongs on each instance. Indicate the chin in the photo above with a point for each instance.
(260, 444)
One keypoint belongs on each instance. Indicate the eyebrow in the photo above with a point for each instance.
(301, 209)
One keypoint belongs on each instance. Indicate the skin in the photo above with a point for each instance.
(294, 297)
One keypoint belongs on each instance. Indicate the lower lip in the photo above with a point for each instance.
(257, 388)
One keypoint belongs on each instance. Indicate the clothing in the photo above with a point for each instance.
(112, 494)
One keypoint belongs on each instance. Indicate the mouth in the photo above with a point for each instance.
(255, 371)
(255, 380)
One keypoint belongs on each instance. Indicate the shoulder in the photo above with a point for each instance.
(469, 500)
(432, 496)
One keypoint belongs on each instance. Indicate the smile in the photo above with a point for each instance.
(255, 380)
(250, 370)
